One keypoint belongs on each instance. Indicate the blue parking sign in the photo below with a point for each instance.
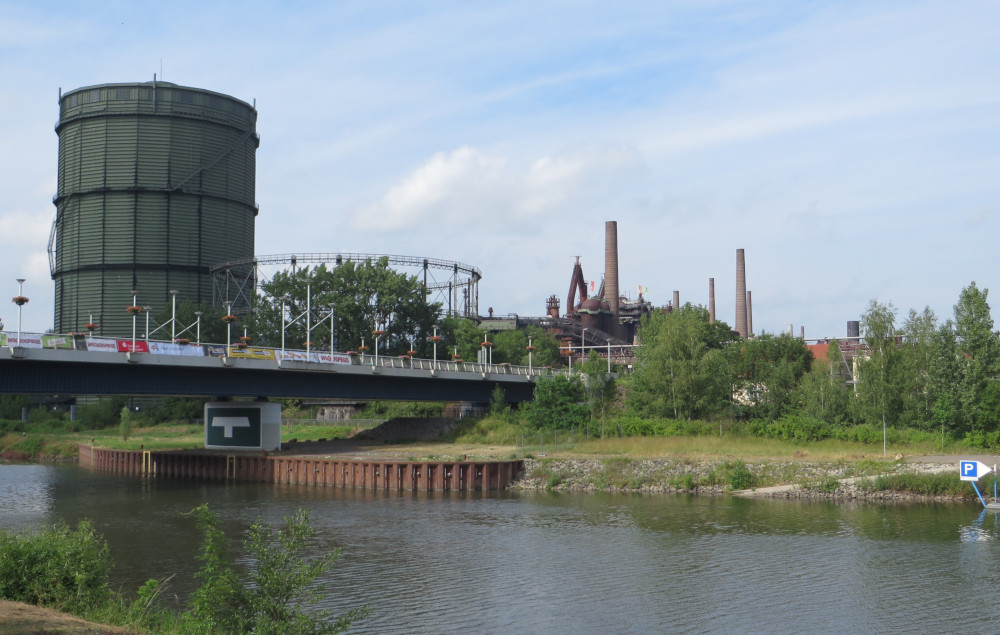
(972, 470)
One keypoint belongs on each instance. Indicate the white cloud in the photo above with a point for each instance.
(468, 186)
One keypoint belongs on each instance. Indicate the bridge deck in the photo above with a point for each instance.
(79, 372)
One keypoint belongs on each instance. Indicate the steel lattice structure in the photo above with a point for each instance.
(454, 284)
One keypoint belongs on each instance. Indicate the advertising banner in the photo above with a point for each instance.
(28, 340)
(125, 346)
(252, 353)
(102, 344)
(172, 348)
(57, 341)
(318, 358)
(327, 358)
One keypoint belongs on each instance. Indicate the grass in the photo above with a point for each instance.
(63, 445)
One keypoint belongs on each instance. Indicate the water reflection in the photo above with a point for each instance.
(581, 563)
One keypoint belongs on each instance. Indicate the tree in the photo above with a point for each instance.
(945, 378)
(916, 356)
(768, 368)
(877, 385)
(823, 392)
(979, 360)
(559, 403)
(601, 389)
(680, 369)
(366, 296)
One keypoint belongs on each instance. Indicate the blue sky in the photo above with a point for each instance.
(849, 147)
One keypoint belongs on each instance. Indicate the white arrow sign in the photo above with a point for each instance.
(229, 423)
(972, 470)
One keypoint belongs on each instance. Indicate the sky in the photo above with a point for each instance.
(850, 148)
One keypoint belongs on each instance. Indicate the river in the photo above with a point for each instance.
(567, 562)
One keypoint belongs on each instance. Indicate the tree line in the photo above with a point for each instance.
(919, 373)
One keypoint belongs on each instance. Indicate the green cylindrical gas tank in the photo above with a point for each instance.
(156, 184)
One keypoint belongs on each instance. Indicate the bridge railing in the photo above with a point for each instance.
(78, 341)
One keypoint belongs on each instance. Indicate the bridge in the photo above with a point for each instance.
(63, 371)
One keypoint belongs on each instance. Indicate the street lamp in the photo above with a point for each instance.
(197, 315)
(20, 301)
(284, 301)
(435, 338)
(173, 315)
(609, 357)
(229, 329)
(134, 310)
(531, 350)
(147, 309)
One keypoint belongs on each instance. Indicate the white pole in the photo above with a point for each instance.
(197, 315)
(133, 318)
(308, 319)
(229, 330)
(283, 327)
(435, 340)
(609, 357)
(20, 293)
(173, 315)
(531, 350)
(331, 332)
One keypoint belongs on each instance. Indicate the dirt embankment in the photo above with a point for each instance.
(19, 618)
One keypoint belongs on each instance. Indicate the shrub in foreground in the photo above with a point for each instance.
(62, 568)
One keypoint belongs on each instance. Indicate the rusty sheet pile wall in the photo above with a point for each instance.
(396, 475)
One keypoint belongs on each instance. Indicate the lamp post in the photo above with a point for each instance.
(609, 357)
(229, 329)
(583, 345)
(435, 339)
(134, 310)
(333, 334)
(147, 309)
(173, 314)
(531, 350)
(20, 301)
(308, 319)
(284, 301)
(197, 315)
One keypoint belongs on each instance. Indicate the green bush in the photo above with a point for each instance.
(738, 475)
(102, 414)
(632, 426)
(269, 596)
(59, 567)
(947, 484)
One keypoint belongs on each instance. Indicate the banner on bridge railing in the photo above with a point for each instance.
(320, 358)
(28, 340)
(172, 348)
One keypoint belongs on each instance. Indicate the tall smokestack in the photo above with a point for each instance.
(741, 294)
(711, 300)
(677, 300)
(749, 315)
(611, 293)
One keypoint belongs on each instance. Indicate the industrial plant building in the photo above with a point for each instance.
(156, 185)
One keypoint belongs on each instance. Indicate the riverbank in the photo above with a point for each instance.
(17, 617)
(837, 481)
